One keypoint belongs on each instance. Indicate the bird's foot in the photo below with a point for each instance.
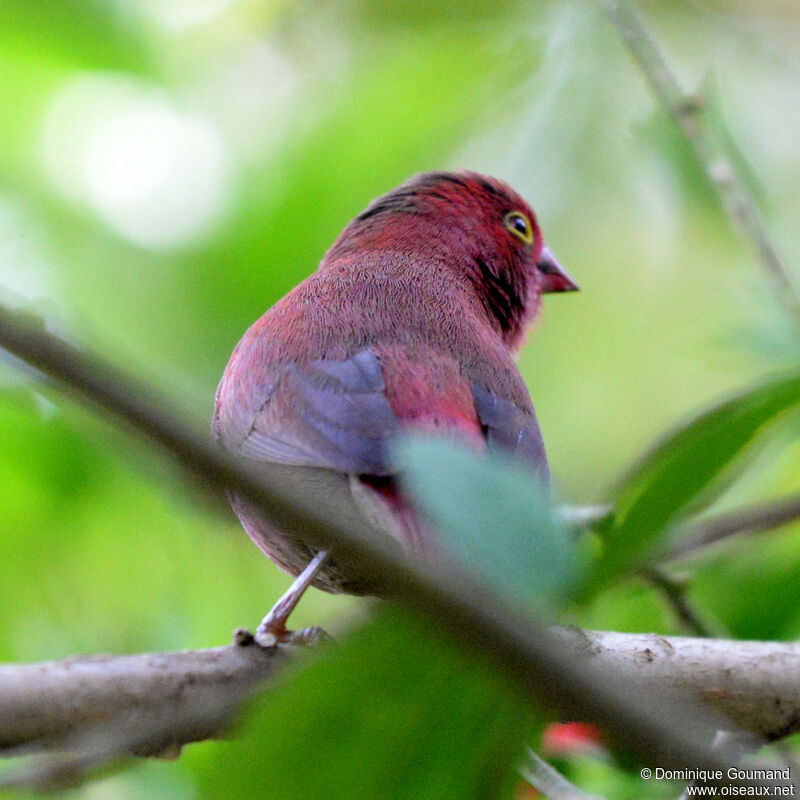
(266, 637)
(272, 629)
(269, 635)
(309, 637)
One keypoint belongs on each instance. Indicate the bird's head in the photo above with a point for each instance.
(474, 225)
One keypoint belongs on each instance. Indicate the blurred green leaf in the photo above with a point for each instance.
(751, 585)
(494, 516)
(394, 711)
(683, 467)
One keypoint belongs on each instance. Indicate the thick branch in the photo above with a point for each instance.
(756, 685)
(688, 114)
(180, 697)
(171, 698)
(661, 730)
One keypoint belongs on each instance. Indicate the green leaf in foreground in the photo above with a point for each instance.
(494, 517)
(683, 466)
(394, 711)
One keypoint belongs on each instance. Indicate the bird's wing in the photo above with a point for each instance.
(321, 413)
(336, 414)
(340, 415)
(511, 428)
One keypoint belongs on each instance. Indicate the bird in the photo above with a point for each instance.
(411, 322)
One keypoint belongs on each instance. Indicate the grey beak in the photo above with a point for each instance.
(554, 277)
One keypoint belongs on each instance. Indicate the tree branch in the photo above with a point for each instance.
(689, 115)
(171, 698)
(755, 685)
(661, 729)
(191, 695)
(754, 519)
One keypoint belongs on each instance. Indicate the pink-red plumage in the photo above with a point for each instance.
(411, 320)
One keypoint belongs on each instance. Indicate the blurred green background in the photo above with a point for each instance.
(170, 168)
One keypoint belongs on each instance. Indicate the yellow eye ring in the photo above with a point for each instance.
(517, 224)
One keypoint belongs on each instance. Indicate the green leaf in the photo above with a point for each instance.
(493, 515)
(684, 467)
(393, 711)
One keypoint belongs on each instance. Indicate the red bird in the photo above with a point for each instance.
(411, 320)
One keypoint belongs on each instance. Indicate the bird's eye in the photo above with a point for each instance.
(519, 225)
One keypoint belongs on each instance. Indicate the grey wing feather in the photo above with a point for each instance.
(511, 428)
(326, 413)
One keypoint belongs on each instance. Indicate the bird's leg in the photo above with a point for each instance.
(273, 627)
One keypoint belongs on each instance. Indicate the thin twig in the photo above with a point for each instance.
(662, 730)
(548, 781)
(754, 519)
(675, 594)
(689, 115)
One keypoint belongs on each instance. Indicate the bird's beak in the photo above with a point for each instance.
(554, 277)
